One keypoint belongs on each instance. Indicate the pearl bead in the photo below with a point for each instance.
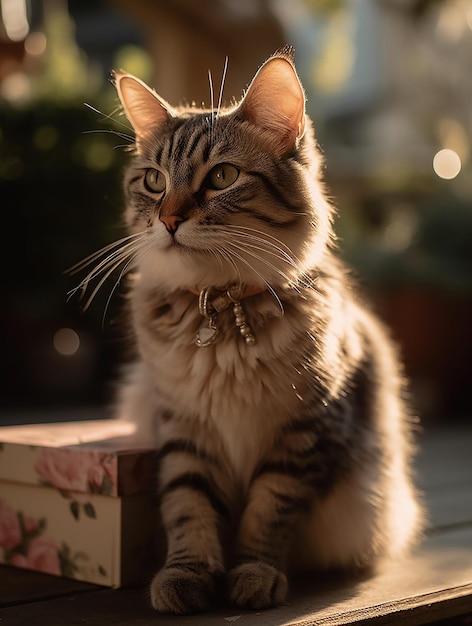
(245, 330)
(250, 340)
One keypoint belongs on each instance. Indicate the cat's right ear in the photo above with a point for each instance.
(145, 110)
(275, 101)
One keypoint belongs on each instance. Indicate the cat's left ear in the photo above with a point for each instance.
(275, 101)
(143, 107)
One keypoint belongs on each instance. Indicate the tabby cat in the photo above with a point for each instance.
(274, 395)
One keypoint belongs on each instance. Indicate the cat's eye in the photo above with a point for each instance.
(154, 181)
(222, 176)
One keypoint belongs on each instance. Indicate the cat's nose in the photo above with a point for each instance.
(171, 222)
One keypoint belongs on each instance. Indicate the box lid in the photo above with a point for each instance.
(96, 456)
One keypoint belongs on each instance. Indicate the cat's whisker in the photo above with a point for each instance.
(266, 250)
(212, 105)
(227, 256)
(223, 79)
(109, 131)
(118, 256)
(217, 256)
(127, 254)
(127, 267)
(111, 269)
(80, 265)
(295, 282)
(109, 116)
(258, 231)
(265, 237)
(265, 246)
(97, 269)
(266, 241)
(100, 284)
(262, 260)
(215, 253)
(248, 248)
(264, 280)
(114, 288)
(223, 257)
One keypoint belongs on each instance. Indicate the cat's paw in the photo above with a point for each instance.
(256, 586)
(181, 591)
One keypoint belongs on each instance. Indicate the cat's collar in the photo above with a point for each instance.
(221, 299)
(212, 301)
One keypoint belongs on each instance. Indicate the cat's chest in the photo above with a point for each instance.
(202, 362)
(242, 391)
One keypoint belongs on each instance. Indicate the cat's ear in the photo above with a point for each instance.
(143, 107)
(275, 101)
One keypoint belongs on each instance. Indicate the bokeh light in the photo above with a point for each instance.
(15, 19)
(447, 164)
(66, 341)
(35, 44)
(16, 87)
(45, 137)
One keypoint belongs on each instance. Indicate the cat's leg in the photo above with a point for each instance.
(309, 456)
(305, 463)
(194, 507)
(276, 501)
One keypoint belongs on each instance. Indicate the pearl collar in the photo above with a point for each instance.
(212, 301)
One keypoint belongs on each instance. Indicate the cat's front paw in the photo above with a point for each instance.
(256, 586)
(181, 591)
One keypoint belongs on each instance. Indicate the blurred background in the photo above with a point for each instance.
(389, 87)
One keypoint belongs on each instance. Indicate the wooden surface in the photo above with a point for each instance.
(435, 583)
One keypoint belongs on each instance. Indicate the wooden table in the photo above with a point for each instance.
(433, 584)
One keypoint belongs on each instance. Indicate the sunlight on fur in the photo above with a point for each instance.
(274, 397)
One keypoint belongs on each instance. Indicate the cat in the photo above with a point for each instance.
(275, 398)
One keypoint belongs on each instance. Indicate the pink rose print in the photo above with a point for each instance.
(26, 545)
(41, 555)
(81, 471)
(31, 525)
(10, 530)
(18, 560)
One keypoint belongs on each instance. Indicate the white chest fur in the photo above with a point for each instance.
(240, 394)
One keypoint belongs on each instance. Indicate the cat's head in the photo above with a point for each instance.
(227, 195)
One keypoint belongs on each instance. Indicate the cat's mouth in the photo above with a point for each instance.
(176, 243)
(187, 243)
(186, 248)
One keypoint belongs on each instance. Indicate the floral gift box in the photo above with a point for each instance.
(76, 500)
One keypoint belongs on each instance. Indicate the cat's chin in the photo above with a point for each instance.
(179, 267)
(188, 261)
(183, 252)
(184, 246)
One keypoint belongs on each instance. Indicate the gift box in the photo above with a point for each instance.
(76, 500)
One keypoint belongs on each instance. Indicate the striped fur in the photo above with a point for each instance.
(288, 455)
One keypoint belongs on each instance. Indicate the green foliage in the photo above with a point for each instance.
(75, 509)
(102, 570)
(89, 510)
(438, 257)
(325, 6)
(60, 178)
